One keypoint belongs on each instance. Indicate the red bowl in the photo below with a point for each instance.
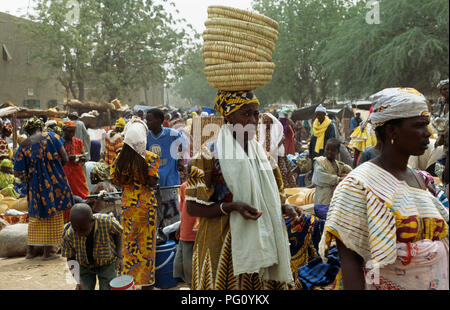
(15, 219)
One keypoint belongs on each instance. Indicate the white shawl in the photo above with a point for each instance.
(259, 246)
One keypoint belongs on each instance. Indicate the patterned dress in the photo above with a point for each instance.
(113, 144)
(139, 223)
(212, 262)
(401, 232)
(40, 168)
(75, 173)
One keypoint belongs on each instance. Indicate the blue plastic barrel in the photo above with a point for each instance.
(165, 256)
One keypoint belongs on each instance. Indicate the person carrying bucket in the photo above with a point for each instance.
(94, 241)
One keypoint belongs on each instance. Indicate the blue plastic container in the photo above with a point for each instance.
(165, 256)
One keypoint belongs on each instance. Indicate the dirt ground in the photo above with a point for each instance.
(37, 274)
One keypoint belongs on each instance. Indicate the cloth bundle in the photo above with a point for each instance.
(238, 47)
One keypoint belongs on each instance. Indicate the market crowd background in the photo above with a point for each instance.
(326, 50)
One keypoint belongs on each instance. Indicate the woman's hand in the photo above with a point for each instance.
(294, 212)
(248, 212)
(119, 265)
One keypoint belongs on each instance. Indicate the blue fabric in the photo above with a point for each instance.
(354, 123)
(166, 142)
(316, 273)
(95, 150)
(321, 211)
(40, 168)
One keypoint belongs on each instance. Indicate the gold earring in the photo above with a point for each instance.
(392, 141)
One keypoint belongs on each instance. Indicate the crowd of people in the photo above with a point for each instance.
(101, 196)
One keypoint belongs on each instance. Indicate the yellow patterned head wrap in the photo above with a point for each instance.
(229, 102)
(396, 103)
(120, 123)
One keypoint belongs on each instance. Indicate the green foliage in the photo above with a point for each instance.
(305, 28)
(408, 48)
(116, 47)
(192, 84)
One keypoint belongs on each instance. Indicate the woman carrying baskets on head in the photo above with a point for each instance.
(237, 192)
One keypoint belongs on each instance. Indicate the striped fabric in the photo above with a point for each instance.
(46, 232)
(104, 246)
(371, 211)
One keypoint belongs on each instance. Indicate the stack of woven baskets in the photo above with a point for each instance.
(238, 47)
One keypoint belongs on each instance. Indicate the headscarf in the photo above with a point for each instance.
(33, 123)
(442, 83)
(120, 123)
(320, 108)
(6, 163)
(397, 103)
(69, 124)
(101, 170)
(135, 133)
(8, 127)
(229, 102)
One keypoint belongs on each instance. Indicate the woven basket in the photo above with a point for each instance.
(226, 56)
(243, 87)
(238, 78)
(226, 83)
(255, 50)
(242, 15)
(225, 39)
(241, 35)
(245, 71)
(235, 49)
(266, 32)
(215, 61)
(241, 65)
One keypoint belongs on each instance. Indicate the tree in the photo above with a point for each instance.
(305, 28)
(66, 47)
(408, 48)
(114, 46)
(192, 84)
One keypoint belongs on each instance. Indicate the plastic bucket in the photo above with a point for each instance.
(122, 283)
(165, 256)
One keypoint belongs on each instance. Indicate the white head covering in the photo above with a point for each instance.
(276, 134)
(204, 113)
(321, 108)
(396, 103)
(135, 133)
(442, 83)
(50, 123)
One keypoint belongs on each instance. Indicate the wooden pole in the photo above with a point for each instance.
(14, 124)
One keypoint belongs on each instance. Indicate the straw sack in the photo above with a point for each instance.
(228, 47)
(9, 201)
(229, 12)
(242, 36)
(20, 205)
(237, 25)
(3, 208)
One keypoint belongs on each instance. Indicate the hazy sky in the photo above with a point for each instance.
(194, 11)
